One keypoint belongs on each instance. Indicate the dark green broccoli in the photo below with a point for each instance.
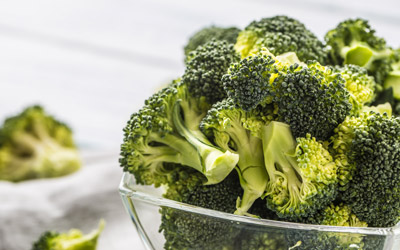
(262, 239)
(34, 144)
(205, 67)
(281, 34)
(186, 230)
(302, 173)
(229, 127)
(367, 151)
(360, 85)
(73, 240)
(311, 99)
(166, 130)
(207, 34)
(353, 41)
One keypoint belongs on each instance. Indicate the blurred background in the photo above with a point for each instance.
(93, 63)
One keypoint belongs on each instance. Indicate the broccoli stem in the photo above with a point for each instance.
(216, 164)
(361, 54)
(284, 176)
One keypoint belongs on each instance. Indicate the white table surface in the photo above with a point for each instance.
(93, 62)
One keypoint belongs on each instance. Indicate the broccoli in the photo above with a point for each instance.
(34, 144)
(73, 240)
(262, 239)
(207, 34)
(367, 151)
(302, 173)
(158, 134)
(354, 41)
(205, 67)
(186, 230)
(281, 34)
(226, 125)
(393, 78)
(311, 99)
(360, 85)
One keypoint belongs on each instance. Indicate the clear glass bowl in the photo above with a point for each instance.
(144, 203)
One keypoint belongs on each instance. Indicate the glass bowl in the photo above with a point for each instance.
(144, 204)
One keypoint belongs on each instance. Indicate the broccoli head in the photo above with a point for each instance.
(73, 240)
(280, 34)
(205, 67)
(312, 100)
(302, 173)
(367, 151)
(166, 130)
(34, 144)
(207, 34)
(354, 41)
(360, 85)
(186, 230)
(393, 78)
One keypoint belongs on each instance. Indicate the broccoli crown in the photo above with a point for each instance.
(360, 85)
(249, 83)
(280, 34)
(393, 78)
(166, 130)
(207, 34)
(312, 100)
(34, 144)
(302, 173)
(369, 150)
(205, 67)
(73, 240)
(185, 230)
(230, 128)
(353, 41)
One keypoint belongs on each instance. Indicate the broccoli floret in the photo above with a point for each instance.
(166, 130)
(205, 67)
(367, 151)
(207, 34)
(249, 83)
(302, 173)
(34, 144)
(360, 85)
(226, 124)
(186, 230)
(73, 240)
(280, 34)
(262, 239)
(353, 41)
(393, 78)
(311, 99)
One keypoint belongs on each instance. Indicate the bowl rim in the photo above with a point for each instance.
(126, 189)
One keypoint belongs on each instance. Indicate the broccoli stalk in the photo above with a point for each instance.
(216, 165)
(302, 175)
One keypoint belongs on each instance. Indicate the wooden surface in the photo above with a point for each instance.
(92, 63)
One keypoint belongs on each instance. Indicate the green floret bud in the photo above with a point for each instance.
(280, 34)
(249, 83)
(353, 41)
(360, 86)
(166, 130)
(72, 240)
(207, 34)
(186, 230)
(369, 147)
(302, 174)
(205, 67)
(34, 144)
(312, 100)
